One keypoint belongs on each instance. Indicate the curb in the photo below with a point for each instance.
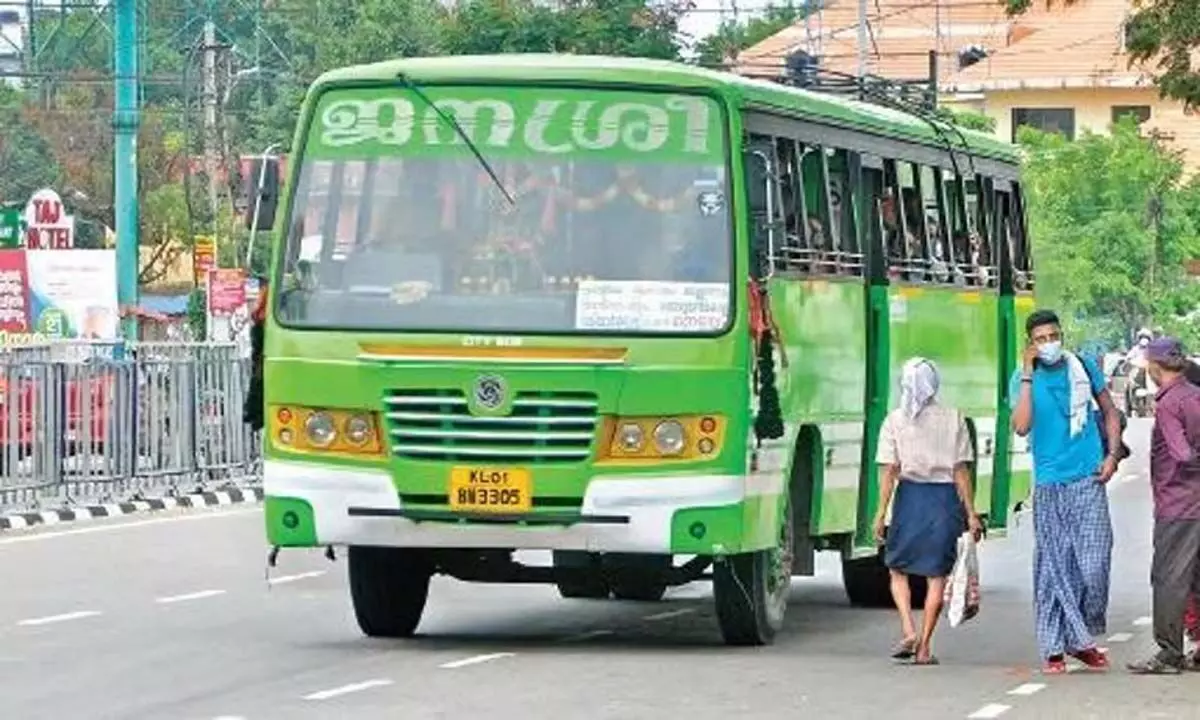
(234, 496)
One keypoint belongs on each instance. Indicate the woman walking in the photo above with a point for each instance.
(924, 454)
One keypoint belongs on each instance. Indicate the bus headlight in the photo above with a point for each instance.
(358, 429)
(669, 437)
(630, 438)
(320, 429)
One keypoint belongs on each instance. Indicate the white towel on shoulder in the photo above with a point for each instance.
(1081, 393)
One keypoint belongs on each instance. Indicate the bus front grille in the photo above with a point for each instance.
(543, 427)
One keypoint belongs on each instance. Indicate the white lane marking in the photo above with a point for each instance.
(477, 659)
(669, 614)
(989, 711)
(1027, 689)
(1143, 622)
(347, 689)
(284, 579)
(65, 617)
(124, 526)
(189, 596)
(1120, 637)
(587, 635)
(229, 717)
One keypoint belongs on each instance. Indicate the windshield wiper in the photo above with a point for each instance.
(453, 122)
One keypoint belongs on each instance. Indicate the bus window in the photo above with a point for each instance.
(841, 196)
(933, 211)
(1023, 251)
(982, 263)
(904, 224)
(875, 191)
(793, 254)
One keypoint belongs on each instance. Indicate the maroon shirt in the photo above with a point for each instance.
(1175, 452)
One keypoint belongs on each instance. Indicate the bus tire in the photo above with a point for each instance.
(639, 577)
(868, 583)
(751, 590)
(388, 587)
(586, 582)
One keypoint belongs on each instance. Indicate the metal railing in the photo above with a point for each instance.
(88, 422)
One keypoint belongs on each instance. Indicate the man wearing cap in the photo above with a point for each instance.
(1175, 480)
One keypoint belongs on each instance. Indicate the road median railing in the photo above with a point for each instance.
(89, 422)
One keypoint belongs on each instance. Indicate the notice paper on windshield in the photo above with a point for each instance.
(649, 306)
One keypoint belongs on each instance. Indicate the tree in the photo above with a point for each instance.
(1159, 32)
(1111, 230)
(733, 36)
(26, 163)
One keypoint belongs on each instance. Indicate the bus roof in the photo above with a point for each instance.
(745, 92)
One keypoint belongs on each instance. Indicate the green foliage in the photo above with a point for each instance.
(969, 119)
(197, 313)
(734, 36)
(1112, 225)
(1162, 33)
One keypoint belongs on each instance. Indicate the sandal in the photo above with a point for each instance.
(904, 649)
(931, 660)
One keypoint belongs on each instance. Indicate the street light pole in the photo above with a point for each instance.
(125, 173)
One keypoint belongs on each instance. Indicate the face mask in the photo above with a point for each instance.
(1144, 342)
(1050, 353)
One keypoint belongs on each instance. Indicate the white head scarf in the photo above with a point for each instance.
(919, 383)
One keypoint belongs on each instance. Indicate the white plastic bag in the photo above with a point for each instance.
(962, 588)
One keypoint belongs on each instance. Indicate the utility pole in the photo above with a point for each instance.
(862, 39)
(126, 118)
(211, 149)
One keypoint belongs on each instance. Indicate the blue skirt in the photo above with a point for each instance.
(927, 520)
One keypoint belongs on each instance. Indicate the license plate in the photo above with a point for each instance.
(489, 489)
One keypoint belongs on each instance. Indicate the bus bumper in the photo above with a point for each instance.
(309, 505)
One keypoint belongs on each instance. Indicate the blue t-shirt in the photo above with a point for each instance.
(1058, 458)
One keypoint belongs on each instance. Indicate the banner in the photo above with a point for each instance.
(47, 224)
(14, 293)
(226, 291)
(204, 257)
(12, 229)
(73, 293)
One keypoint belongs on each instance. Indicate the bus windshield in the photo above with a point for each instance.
(619, 220)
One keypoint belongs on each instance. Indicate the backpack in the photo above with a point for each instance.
(1123, 451)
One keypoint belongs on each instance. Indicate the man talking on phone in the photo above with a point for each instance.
(1061, 402)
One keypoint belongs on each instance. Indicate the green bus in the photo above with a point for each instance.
(639, 314)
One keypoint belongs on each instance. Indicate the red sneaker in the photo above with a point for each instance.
(1055, 666)
(1093, 658)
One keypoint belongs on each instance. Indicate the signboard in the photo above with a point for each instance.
(47, 224)
(204, 258)
(226, 291)
(73, 294)
(12, 228)
(651, 306)
(14, 292)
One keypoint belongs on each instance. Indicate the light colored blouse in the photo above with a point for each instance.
(927, 448)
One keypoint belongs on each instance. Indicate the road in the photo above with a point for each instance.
(171, 616)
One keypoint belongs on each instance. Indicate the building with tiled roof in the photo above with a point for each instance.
(900, 35)
(1071, 76)
(1063, 69)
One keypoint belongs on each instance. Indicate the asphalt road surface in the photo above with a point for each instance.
(171, 616)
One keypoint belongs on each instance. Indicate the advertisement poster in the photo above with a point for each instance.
(47, 224)
(73, 293)
(204, 255)
(14, 293)
(226, 291)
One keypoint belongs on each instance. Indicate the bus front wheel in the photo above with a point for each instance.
(751, 590)
(868, 583)
(388, 587)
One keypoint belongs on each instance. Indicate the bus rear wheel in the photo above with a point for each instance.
(868, 583)
(751, 590)
(388, 587)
